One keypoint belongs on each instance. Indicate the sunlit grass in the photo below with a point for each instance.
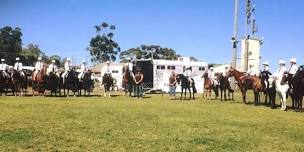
(154, 123)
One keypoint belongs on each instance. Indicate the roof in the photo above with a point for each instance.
(176, 62)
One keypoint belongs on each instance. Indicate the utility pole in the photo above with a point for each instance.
(234, 38)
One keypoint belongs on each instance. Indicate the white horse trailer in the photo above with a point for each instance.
(157, 72)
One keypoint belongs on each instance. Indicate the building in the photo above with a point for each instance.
(250, 54)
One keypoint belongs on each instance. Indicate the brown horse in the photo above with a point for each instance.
(38, 83)
(207, 86)
(247, 83)
(127, 81)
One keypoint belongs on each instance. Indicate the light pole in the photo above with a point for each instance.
(234, 38)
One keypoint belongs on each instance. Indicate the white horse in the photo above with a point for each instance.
(281, 89)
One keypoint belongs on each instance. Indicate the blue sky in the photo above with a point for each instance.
(199, 28)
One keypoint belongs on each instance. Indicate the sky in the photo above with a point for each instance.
(199, 28)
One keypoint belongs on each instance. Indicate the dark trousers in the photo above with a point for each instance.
(138, 89)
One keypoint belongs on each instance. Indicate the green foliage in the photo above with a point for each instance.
(30, 54)
(146, 51)
(152, 124)
(10, 43)
(102, 47)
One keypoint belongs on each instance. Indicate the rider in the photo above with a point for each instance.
(67, 68)
(211, 75)
(83, 69)
(38, 67)
(4, 68)
(19, 66)
(292, 70)
(52, 68)
(282, 68)
(188, 72)
(266, 71)
(250, 71)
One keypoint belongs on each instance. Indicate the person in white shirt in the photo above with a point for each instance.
(130, 64)
(293, 67)
(19, 66)
(4, 68)
(83, 69)
(250, 71)
(211, 75)
(282, 69)
(38, 67)
(292, 70)
(226, 71)
(52, 68)
(67, 68)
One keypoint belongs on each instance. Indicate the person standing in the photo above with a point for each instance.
(139, 77)
(172, 85)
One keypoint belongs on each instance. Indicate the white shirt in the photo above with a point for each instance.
(83, 68)
(67, 66)
(251, 72)
(18, 66)
(52, 68)
(226, 72)
(38, 65)
(211, 74)
(293, 69)
(280, 72)
(3, 67)
(130, 66)
(188, 72)
(106, 70)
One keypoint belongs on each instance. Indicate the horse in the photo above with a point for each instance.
(3, 83)
(87, 83)
(297, 89)
(224, 86)
(38, 81)
(107, 82)
(53, 83)
(247, 83)
(71, 82)
(128, 81)
(186, 84)
(207, 86)
(264, 76)
(282, 89)
(19, 81)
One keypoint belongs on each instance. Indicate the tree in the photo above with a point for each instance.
(194, 59)
(149, 51)
(102, 46)
(30, 54)
(10, 43)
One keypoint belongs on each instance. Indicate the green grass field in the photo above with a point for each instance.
(154, 123)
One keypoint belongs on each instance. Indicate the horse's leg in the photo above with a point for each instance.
(182, 94)
(185, 93)
(189, 93)
(244, 95)
(225, 95)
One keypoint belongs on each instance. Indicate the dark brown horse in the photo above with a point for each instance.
(19, 81)
(127, 81)
(207, 86)
(39, 80)
(224, 87)
(247, 83)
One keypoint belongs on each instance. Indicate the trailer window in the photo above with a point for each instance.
(115, 71)
(171, 67)
(161, 67)
(201, 68)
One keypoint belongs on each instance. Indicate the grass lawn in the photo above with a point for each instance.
(151, 124)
